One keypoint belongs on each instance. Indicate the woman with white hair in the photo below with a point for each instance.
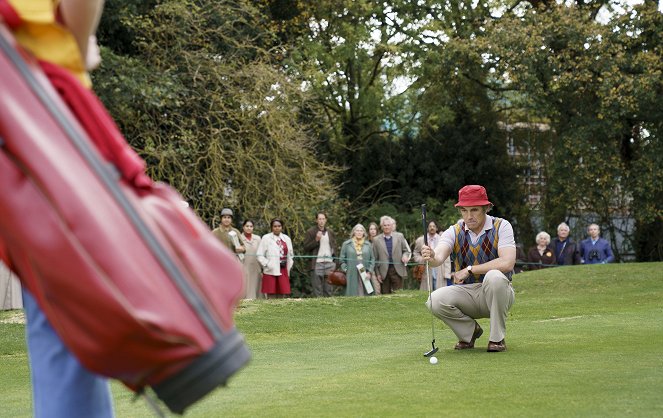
(541, 254)
(357, 258)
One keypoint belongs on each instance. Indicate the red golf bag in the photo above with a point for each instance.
(133, 282)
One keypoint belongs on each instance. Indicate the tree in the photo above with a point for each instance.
(364, 61)
(201, 99)
(599, 87)
(353, 54)
(458, 111)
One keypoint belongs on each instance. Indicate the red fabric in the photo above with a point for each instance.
(472, 195)
(283, 252)
(4, 257)
(77, 251)
(98, 124)
(276, 285)
(7, 12)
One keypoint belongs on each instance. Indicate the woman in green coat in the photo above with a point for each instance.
(357, 251)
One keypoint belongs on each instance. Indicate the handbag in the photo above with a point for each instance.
(418, 272)
(337, 278)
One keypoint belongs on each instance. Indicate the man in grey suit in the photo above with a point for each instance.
(392, 254)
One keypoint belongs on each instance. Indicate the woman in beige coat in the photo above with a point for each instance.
(252, 269)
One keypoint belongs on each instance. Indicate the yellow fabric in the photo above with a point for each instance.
(359, 243)
(38, 11)
(46, 39)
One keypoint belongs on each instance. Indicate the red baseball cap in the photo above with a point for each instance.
(473, 195)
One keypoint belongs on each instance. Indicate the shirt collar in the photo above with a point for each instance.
(488, 224)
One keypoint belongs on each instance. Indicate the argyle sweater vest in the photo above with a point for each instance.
(465, 253)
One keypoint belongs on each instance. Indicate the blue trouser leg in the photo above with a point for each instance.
(61, 386)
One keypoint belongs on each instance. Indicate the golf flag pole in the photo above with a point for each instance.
(428, 279)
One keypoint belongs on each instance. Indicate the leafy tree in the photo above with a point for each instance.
(459, 113)
(599, 87)
(401, 96)
(353, 54)
(198, 94)
(363, 60)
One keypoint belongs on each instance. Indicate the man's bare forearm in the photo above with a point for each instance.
(82, 18)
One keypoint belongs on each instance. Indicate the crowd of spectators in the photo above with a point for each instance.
(564, 251)
(377, 259)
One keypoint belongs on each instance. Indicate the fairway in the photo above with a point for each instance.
(582, 341)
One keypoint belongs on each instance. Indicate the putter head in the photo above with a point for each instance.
(432, 351)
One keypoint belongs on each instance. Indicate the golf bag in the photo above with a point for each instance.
(134, 283)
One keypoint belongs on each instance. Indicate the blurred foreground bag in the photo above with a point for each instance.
(134, 283)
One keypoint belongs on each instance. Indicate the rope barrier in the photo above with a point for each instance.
(332, 259)
(409, 264)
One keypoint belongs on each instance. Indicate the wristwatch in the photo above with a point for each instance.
(469, 269)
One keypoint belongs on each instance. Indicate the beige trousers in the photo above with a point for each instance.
(459, 305)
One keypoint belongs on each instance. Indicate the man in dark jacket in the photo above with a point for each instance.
(566, 250)
(595, 250)
(320, 244)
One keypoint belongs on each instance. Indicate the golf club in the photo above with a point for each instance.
(434, 349)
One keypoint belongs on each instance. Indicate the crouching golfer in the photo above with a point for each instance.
(483, 253)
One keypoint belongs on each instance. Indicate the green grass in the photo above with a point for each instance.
(583, 341)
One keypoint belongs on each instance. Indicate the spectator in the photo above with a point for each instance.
(483, 254)
(10, 289)
(320, 244)
(392, 253)
(372, 233)
(275, 255)
(440, 276)
(595, 250)
(229, 235)
(356, 256)
(566, 250)
(541, 254)
(252, 273)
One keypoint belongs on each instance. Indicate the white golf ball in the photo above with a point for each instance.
(433, 360)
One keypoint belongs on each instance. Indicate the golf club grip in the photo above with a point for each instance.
(423, 223)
